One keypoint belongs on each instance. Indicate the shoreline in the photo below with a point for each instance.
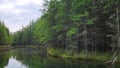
(59, 53)
(95, 56)
(5, 48)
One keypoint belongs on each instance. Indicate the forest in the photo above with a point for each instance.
(73, 27)
(5, 35)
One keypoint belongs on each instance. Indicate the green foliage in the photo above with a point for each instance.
(72, 31)
(90, 22)
(5, 36)
(78, 25)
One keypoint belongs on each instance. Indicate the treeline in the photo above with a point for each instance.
(90, 25)
(5, 36)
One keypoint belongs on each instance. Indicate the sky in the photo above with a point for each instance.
(18, 13)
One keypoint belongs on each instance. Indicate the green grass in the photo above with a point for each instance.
(94, 56)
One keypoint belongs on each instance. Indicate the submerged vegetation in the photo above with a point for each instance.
(80, 29)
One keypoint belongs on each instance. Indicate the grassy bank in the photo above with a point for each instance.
(94, 56)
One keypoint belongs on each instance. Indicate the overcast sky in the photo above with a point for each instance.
(18, 13)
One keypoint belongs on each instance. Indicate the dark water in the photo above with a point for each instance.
(33, 58)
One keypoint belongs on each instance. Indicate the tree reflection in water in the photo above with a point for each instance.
(34, 58)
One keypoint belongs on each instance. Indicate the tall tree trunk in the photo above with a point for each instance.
(118, 27)
(85, 39)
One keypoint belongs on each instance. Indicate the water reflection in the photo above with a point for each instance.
(13, 63)
(4, 59)
(34, 58)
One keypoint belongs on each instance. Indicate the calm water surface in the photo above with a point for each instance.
(33, 58)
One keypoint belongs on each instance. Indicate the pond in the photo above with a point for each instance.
(35, 58)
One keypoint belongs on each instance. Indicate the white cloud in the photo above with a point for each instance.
(14, 11)
(37, 2)
(22, 2)
(6, 6)
(18, 13)
(26, 2)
